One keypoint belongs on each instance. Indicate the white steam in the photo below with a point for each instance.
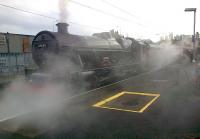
(22, 98)
(164, 55)
(63, 13)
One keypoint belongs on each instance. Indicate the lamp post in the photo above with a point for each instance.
(193, 37)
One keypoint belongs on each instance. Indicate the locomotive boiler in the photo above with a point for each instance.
(94, 58)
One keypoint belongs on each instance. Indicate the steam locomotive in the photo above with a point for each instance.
(95, 59)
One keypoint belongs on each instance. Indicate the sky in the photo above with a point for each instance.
(145, 19)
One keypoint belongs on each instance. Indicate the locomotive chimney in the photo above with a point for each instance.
(62, 28)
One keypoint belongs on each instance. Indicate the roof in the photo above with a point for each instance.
(17, 34)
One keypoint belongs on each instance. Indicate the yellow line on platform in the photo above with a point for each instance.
(99, 104)
(148, 104)
(144, 94)
(119, 109)
(108, 99)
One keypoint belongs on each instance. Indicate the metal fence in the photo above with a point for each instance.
(15, 63)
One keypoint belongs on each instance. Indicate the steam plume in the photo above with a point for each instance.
(63, 13)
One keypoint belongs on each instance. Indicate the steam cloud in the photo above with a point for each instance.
(21, 98)
(63, 13)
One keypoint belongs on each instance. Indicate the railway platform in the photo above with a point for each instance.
(163, 103)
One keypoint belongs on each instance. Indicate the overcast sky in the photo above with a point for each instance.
(150, 18)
